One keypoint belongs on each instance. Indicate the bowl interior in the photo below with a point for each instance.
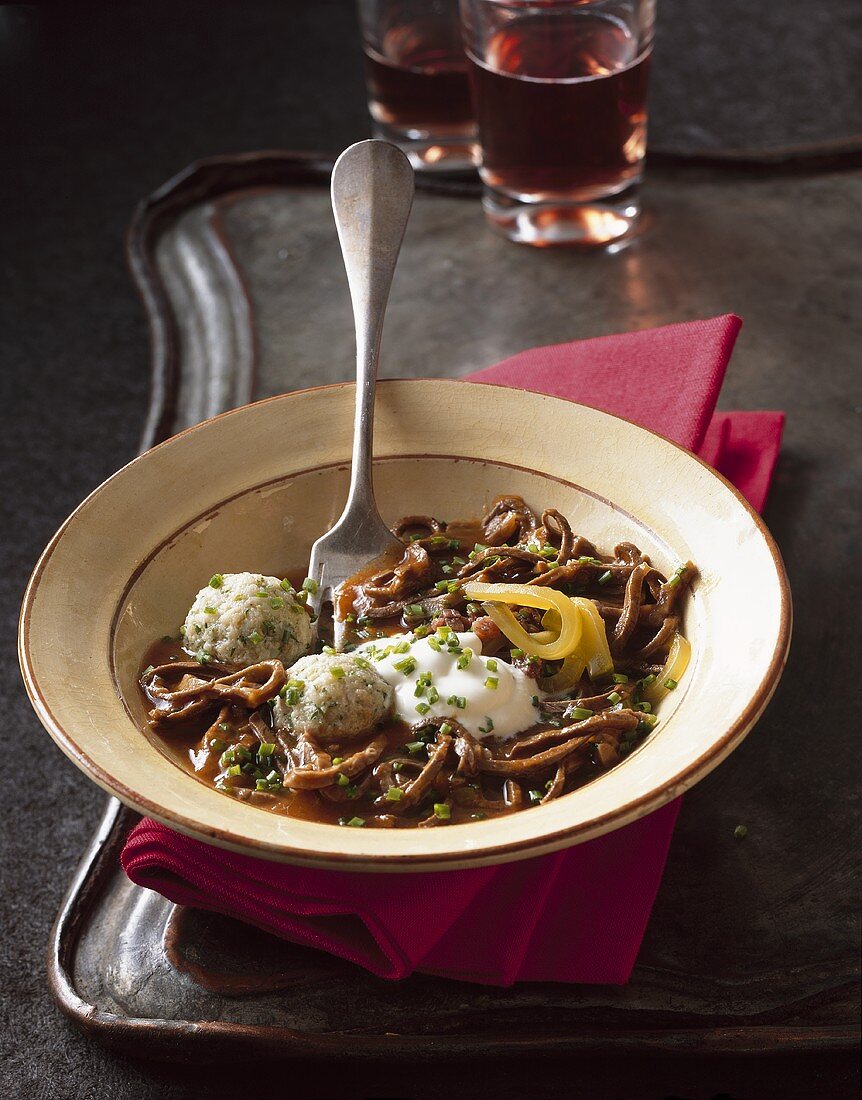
(125, 568)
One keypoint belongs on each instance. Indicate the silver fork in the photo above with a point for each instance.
(372, 193)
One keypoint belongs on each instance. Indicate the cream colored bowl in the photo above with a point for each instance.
(252, 489)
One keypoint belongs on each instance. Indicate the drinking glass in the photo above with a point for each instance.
(416, 74)
(559, 90)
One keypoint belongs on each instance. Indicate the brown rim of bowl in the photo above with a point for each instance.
(521, 849)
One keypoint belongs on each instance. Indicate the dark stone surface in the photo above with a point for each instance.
(100, 105)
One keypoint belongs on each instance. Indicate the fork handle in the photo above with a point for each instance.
(372, 193)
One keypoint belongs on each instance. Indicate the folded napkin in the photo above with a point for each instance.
(574, 916)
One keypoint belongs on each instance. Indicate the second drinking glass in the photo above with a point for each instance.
(559, 90)
(416, 73)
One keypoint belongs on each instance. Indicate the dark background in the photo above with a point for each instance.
(98, 106)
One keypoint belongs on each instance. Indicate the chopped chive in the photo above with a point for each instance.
(535, 700)
(447, 569)
(235, 769)
(397, 766)
(361, 662)
(740, 832)
(670, 684)
(465, 659)
(645, 707)
(210, 611)
(620, 678)
(402, 647)
(420, 689)
(454, 544)
(276, 603)
(355, 822)
(217, 745)
(337, 672)
(647, 722)
(587, 560)
(458, 701)
(516, 654)
(614, 697)
(579, 713)
(415, 746)
(433, 695)
(422, 708)
(407, 665)
(441, 586)
(492, 682)
(216, 580)
(415, 610)
(267, 748)
(647, 680)
(286, 585)
(336, 760)
(535, 797)
(676, 576)
(329, 651)
(459, 561)
(605, 577)
(255, 638)
(343, 780)
(491, 665)
(489, 725)
(309, 585)
(445, 728)
(442, 811)
(394, 794)
(435, 645)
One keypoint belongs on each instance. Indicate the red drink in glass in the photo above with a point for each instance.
(560, 94)
(418, 87)
(418, 90)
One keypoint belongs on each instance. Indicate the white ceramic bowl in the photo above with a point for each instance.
(252, 489)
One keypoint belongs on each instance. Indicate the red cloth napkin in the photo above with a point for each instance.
(573, 916)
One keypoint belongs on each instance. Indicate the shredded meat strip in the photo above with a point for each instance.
(415, 791)
(413, 571)
(659, 642)
(250, 687)
(628, 620)
(431, 524)
(509, 520)
(556, 524)
(624, 719)
(312, 779)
